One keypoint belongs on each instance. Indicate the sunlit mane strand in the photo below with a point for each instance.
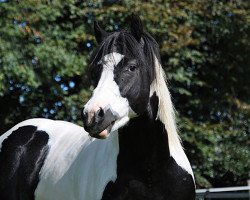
(166, 114)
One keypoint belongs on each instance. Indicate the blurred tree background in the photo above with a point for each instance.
(205, 46)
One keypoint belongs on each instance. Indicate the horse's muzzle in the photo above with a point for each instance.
(102, 119)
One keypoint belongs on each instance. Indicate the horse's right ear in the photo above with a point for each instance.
(136, 27)
(100, 34)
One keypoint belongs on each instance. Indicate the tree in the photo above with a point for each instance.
(45, 46)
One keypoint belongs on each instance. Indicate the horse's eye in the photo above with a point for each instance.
(132, 68)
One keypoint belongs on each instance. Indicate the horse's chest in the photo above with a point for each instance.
(153, 181)
(139, 176)
(148, 174)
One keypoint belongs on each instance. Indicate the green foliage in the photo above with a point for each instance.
(45, 46)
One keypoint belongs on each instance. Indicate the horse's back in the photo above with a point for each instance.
(26, 149)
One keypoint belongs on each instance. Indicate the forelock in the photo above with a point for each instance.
(123, 42)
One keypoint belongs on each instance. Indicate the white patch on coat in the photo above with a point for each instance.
(77, 167)
(107, 92)
(166, 114)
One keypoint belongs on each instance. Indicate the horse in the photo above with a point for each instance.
(128, 147)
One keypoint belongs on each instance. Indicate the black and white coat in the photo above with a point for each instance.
(140, 155)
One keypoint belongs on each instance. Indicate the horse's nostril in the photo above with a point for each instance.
(100, 113)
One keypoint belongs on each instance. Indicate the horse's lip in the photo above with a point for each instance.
(97, 134)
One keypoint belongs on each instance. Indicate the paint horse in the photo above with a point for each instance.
(140, 156)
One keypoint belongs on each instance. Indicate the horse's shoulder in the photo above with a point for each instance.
(35, 148)
(22, 154)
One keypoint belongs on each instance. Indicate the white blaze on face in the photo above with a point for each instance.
(107, 92)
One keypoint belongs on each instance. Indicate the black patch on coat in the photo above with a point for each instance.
(21, 157)
(133, 83)
(145, 170)
(152, 108)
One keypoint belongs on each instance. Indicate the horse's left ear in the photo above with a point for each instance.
(136, 27)
(100, 34)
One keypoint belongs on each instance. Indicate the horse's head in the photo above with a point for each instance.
(122, 71)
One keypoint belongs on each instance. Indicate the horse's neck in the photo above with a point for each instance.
(144, 140)
(146, 167)
(147, 138)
